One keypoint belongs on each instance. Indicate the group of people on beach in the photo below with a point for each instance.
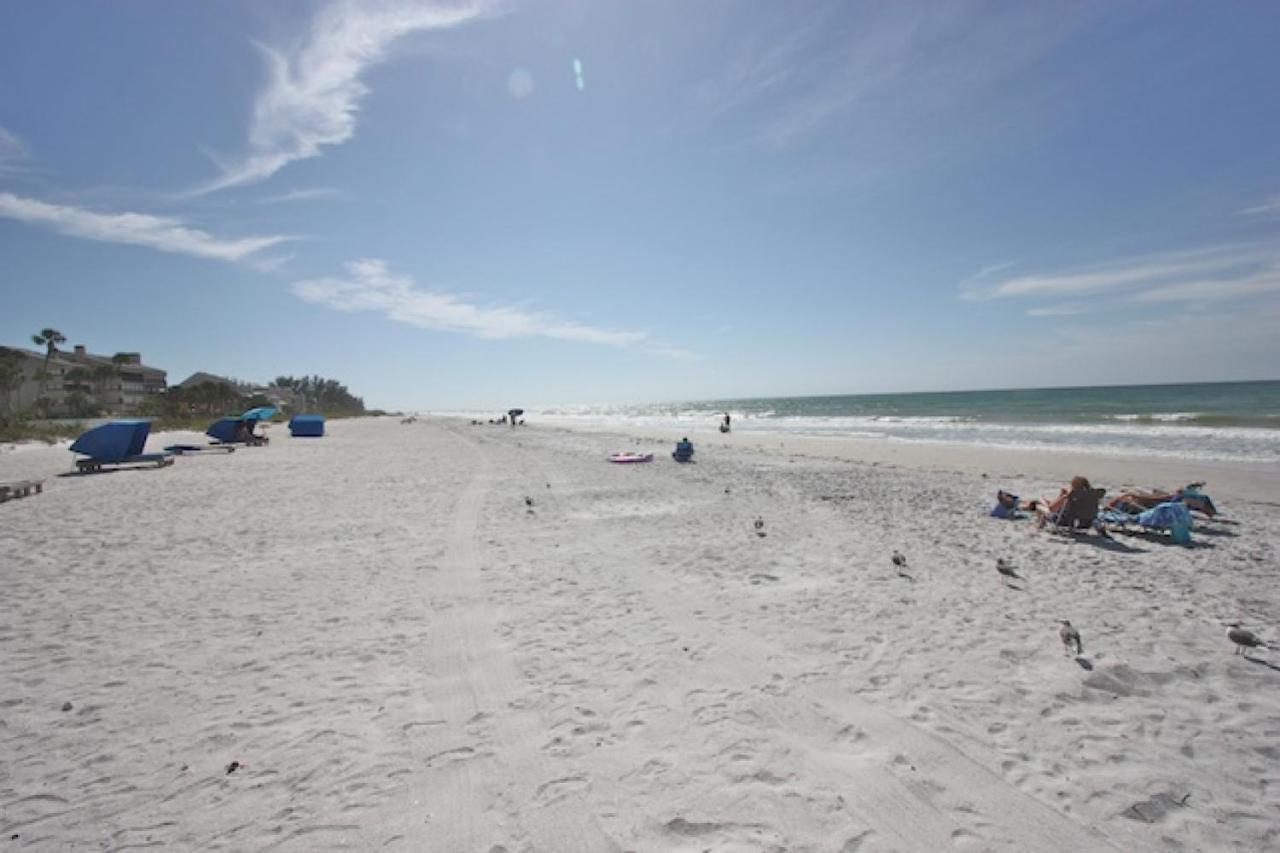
(1079, 504)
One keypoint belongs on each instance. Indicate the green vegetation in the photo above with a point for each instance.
(24, 428)
(326, 396)
(10, 378)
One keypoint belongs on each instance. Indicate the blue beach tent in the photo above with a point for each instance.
(116, 443)
(306, 426)
(235, 430)
(224, 430)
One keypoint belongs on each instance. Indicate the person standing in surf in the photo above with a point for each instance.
(724, 427)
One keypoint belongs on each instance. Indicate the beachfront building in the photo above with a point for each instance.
(283, 398)
(79, 383)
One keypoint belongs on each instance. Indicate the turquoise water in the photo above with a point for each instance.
(1230, 421)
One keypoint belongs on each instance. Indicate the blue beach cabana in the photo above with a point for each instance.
(235, 430)
(306, 426)
(117, 443)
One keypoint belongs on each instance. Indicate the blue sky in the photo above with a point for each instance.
(741, 199)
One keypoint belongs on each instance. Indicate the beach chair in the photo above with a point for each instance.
(1080, 513)
(191, 449)
(117, 444)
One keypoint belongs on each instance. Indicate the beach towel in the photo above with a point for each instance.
(1171, 516)
(1166, 516)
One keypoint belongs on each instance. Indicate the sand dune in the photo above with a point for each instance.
(397, 652)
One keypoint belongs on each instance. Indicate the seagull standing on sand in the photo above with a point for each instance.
(900, 563)
(759, 526)
(1244, 639)
(1070, 637)
(1006, 570)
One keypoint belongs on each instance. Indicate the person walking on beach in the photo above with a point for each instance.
(724, 427)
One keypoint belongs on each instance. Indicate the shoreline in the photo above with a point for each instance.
(1255, 483)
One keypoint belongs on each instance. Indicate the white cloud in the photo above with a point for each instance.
(1216, 263)
(299, 195)
(12, 152)
(314, 89)
(1271, 205)
(370, 285)
(140, 229)
(1062, 309)
(1213, 290)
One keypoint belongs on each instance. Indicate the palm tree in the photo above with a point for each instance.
(49, 339)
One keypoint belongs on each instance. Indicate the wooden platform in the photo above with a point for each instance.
(20, 489)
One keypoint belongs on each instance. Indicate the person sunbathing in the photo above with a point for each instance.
(1076, 506)
(1008, 505)
(1130, 501)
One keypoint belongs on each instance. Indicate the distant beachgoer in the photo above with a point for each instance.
(683, 451)
(724, 427)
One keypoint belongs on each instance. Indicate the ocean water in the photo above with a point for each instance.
(1223, 421)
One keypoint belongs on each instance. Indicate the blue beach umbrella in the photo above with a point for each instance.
(261, 413)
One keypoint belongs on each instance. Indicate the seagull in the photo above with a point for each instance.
(1070, 637)
(900, 562)
(1006, 570)
(1244, 639)
(760, 527)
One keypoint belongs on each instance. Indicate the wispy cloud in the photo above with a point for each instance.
(1132, 275)
(12, 153)
(1062, 309)
(884, 71)
(140, 229)
(371, 285)
(299, 195)
(314, 89)
(1214, 290)
(1271, 205)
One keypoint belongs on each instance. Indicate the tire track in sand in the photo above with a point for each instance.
(517, 802)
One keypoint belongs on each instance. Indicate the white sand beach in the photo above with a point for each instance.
(371, 641)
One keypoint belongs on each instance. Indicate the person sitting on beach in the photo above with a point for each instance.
(1008, 505)
(1132, 502)
(683, 451)
(1075, 507)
